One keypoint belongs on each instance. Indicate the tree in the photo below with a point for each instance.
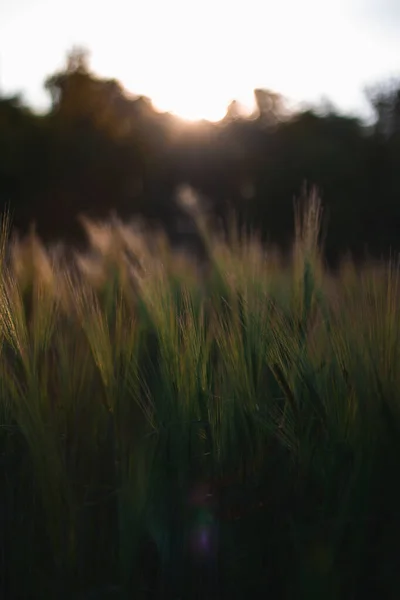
(77, 63)
(385, 100)
(270, 107)
(80, 98)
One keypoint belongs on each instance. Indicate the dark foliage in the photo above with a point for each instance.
(99, 150)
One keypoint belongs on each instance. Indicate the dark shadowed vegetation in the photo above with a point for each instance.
(98, 149)
(226, 432)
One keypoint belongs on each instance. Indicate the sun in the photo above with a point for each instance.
(188, 58)
(193, 86)
(196, 104)
(194, 97)
(192, 108)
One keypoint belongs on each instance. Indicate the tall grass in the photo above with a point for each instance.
(171, 432)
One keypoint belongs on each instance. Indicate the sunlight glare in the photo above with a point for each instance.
(190, 107)
(193, 66)
(198, 100)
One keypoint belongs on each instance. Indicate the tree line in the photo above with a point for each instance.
(97, 150)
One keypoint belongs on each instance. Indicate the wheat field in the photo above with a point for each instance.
(179, 430)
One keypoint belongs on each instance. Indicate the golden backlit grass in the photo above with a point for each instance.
(131, 373)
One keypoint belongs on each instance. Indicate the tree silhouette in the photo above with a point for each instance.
(385, 100)
(99, 149)
(270, 106)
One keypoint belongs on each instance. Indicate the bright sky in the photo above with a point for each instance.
(194, 56)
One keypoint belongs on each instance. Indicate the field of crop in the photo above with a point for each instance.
(175, 431)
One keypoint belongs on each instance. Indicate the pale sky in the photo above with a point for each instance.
(194, 56)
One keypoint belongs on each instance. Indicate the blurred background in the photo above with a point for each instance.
(112, 107)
